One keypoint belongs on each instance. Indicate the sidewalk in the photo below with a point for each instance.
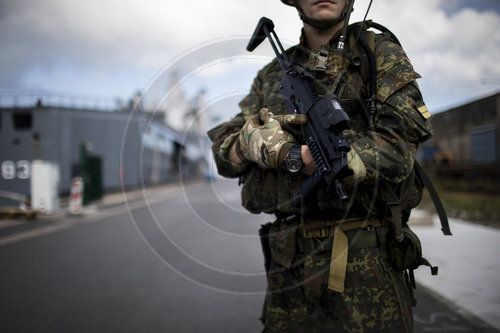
(469, 270)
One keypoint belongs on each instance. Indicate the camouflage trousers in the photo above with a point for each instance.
(376, 297)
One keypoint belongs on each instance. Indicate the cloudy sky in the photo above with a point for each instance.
(112, 48)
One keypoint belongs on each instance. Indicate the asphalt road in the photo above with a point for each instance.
(182, 261)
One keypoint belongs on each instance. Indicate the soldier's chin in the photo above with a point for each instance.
(323, 23)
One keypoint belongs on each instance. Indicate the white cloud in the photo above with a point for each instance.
(452, 52)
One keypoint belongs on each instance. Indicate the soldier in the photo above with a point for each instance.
(333, 268)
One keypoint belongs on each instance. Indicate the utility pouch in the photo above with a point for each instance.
(258, 192)
(407, 253)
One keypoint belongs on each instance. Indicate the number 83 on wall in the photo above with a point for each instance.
(20, 169)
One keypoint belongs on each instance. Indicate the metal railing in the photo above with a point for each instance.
(39, 98)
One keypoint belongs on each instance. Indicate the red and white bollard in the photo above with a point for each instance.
(76, 196)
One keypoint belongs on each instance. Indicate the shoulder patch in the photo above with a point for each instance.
(424, 112)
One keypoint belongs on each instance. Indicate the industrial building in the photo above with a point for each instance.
(466, 135)
(123, 148)
(465, 148)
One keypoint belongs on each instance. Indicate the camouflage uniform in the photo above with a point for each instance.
(376, 297)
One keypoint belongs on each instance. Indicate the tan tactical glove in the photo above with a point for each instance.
(262, 140)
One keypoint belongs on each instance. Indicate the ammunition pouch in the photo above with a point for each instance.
(407, 253)
(269, 190)
(258, 192)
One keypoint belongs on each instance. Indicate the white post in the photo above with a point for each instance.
(45, 186)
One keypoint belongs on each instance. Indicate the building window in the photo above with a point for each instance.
(22, 121)
(484, 146)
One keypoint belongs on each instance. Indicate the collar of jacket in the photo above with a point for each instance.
(306, 50)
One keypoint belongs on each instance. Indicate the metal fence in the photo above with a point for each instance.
(15, 98)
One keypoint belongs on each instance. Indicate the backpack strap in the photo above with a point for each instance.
(393, 203)
(445, 226)
(368, 45)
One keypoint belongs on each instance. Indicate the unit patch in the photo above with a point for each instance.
(424, 112)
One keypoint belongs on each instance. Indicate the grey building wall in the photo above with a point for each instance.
(468, 133)
(55, 134)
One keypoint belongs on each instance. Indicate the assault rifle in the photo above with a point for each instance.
(325, 118)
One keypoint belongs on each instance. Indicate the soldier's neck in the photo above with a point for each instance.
(316, 37)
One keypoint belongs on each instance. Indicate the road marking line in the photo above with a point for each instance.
(92, 217)
(33, 233)
(6, 224)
